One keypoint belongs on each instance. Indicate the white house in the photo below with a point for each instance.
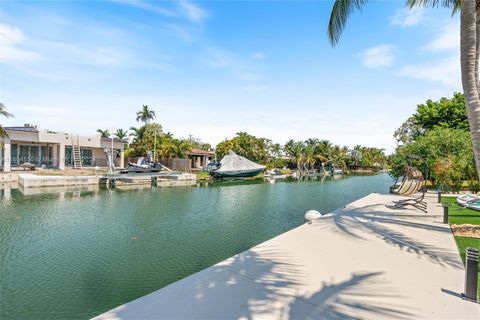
(46, 148)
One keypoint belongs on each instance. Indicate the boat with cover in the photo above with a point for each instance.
(234, 166)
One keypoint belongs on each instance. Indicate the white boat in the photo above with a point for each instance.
(337, 171)
(469, 201)
(274, 174)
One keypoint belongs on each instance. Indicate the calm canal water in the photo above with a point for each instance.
(74, 255)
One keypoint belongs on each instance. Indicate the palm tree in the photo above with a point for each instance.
(104, 133)
(146, 114)
(469, 50)
(6, 114)
(121, 134)
(294, 149)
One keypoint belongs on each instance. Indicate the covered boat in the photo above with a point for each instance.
(235, 166)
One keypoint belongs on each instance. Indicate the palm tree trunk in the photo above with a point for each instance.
(468, 57)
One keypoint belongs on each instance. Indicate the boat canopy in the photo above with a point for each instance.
(234, 162)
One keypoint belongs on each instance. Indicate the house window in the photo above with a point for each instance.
(68, 156)
(87, 157)
(14, 154)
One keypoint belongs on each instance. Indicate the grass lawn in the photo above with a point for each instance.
(463, 243)
(202, 175)
(460, 215)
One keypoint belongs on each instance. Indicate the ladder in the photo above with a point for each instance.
(111, 164)
(76, 154)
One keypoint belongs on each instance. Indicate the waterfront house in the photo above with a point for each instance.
(54, 149)
(200, 158)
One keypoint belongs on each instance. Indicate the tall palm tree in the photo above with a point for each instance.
(469, 50)
(104, 133)
(6, 114)
(121, 134)
(146, 114)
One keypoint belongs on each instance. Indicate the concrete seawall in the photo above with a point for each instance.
(28, 180)
(364, 261)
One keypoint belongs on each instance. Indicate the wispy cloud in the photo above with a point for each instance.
(444, 71)
(147, 6)
(223, 59)
(192, 11)
(258, 55)
(378, 56)
(448, 38)
(10, 39)
(408, 17)
(88, 54)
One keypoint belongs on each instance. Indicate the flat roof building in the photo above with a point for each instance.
(55, 149)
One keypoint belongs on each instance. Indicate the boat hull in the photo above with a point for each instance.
(236, 174)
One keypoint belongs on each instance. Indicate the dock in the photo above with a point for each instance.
(363, 261)
(29, 180)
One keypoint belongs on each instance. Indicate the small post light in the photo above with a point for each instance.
(445, 213)
(471, 274)
(439, 193)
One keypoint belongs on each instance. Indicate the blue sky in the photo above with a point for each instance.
(214, 68)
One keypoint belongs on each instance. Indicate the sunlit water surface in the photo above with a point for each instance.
(74, 255)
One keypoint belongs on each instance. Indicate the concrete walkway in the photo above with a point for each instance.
(365, 261)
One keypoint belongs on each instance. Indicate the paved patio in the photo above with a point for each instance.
(364, 261)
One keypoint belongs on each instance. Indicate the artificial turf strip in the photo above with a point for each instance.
(463, 243)
(460, 215)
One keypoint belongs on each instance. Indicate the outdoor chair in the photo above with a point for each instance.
(413, 182)
(28, 165)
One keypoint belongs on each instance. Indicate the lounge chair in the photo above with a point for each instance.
(27, 165)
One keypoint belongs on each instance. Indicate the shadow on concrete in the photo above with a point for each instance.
(362, 296)
(238, 288)
(363, 221)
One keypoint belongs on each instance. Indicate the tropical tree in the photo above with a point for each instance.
(469, 50)
(6, 114)
(121, 134)
(446, 112)
(294, 149)
(246, 145)
(104, 133)
(146, 114)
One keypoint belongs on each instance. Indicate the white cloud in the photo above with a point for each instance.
(258, 55)
(192, 11)
(10, 39)
(448, 38)
(444, 71)
(408, 17)
(378, 56)
(145, 6)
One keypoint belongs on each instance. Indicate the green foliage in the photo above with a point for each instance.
(121, 134)
(246, 145)
(198, 144)
(145, 114)
(445, 113)
(6, 114)
(439, 146)
(150, 137)
(104, 133)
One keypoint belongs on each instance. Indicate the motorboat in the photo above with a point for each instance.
(234, 166)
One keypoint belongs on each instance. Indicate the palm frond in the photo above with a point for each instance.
(341, 10)
(4, 112)
(3, 132)
(453, 4)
